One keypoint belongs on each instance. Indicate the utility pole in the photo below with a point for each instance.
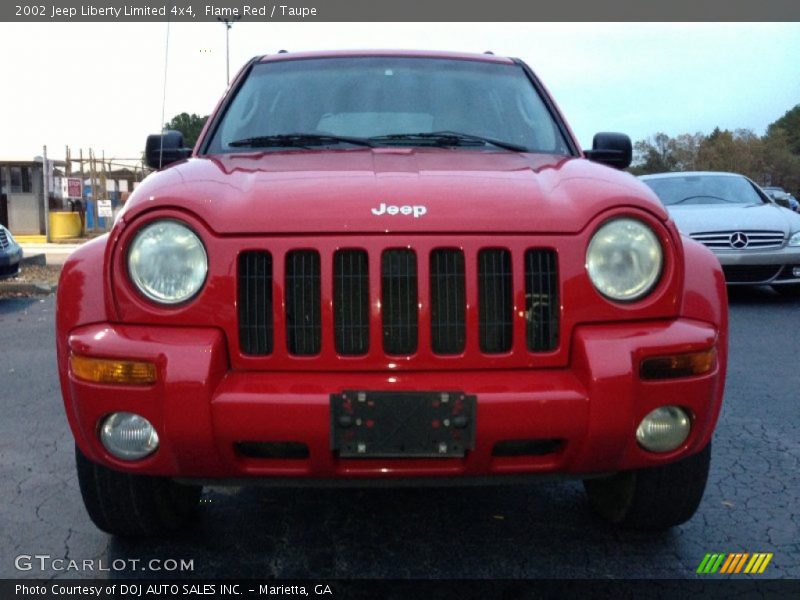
(82, 207)
(46, 195)
(93, 171)
(103, 185)
(228, 24)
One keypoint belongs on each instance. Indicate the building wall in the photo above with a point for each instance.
(22, 187)
(23, 214)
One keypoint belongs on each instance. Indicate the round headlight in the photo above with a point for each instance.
(624, 259)
(167, 262)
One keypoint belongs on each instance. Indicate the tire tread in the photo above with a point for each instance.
(662, 497)
(129, 505)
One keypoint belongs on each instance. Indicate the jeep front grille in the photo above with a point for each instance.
(541, 300)
(303, 329)
(495, 300)
(399, 301)
(369, 316)
(255, 302)
(448, 302)
(351, 302)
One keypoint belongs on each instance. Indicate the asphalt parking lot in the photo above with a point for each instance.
(540, 530)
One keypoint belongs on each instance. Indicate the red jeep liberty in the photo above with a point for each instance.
(390, 267)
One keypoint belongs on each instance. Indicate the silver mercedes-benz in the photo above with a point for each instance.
(757, 241)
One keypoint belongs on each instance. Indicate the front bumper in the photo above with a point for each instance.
(202, 409)
(760, 267)
(779, 256)
(10, 260)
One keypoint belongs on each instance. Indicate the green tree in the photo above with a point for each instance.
(653, 155)
(781, 165)
(789, 124)
(661, 153)
(190, 125)
(772, 159)
(685, 148)
(739, 151)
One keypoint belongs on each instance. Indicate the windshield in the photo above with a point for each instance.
(284, 103)
(704, 189)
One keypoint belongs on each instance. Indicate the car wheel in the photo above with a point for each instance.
(651, 499)
(790, 289)
(134, 505)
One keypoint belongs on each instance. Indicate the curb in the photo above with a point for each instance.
(27, 289)
(39, 260)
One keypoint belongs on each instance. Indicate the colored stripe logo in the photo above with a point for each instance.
(733, 563)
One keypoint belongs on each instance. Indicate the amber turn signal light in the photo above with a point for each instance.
(104, 370)
(678, 365)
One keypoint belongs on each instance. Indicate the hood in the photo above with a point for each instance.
(727, 217)
(391, 190)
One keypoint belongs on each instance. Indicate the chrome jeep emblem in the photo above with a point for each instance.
(739, 240)
(390, 209)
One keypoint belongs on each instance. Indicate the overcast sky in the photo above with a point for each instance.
(101, 85)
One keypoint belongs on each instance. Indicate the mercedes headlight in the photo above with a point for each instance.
(167, 262)
(624, 259)
(794, 239)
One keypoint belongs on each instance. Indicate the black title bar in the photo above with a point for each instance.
(337, 589)
(399, 10)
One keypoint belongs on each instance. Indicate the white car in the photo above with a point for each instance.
(757, 241)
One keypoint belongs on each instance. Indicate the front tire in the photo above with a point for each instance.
(129, 505)
(652, 499)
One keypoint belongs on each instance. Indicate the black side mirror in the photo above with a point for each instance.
(611, 149)
(164, 149)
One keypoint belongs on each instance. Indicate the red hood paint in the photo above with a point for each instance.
(335, 191)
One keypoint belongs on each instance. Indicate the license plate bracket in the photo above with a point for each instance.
(369, 424)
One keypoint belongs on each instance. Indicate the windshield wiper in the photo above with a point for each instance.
(447, 138)
(695, 197)
(300, 140)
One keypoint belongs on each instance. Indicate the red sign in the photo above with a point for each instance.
(74, 188)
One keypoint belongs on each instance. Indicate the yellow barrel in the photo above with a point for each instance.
(64, 225)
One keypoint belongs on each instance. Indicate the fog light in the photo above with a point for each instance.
(664, 429)
(104, 370)
(128, 436)
(796, 271)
